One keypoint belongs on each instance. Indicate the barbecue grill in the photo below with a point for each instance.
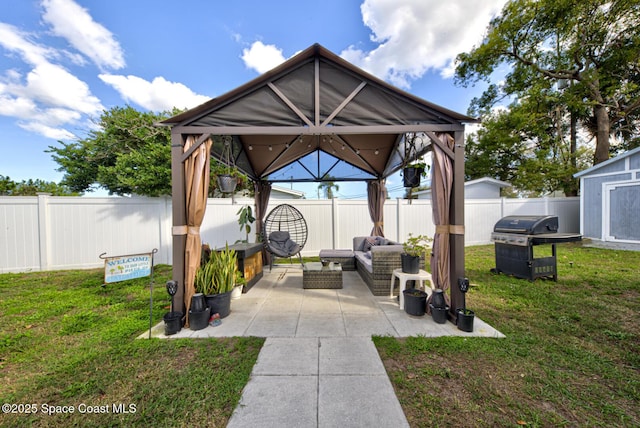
(515, 237)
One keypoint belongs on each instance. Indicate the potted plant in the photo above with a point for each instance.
(239, 285)
(216, 279)
(245, 220)
(411, 174)
(415, 302)
(464, 316)
(414, 248)
(228, 178)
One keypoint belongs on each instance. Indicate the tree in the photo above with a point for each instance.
(126, 154)
(592, 47)
(32, 187)
(327, 188)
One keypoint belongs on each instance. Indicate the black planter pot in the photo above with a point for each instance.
(172, 323)
(198, 303)
(464, 320)
(437, 298)
(199, 320)
(227, 183)
(411, 177)
(410, 264)
(219, 303)
(415, 302)
(439, 314)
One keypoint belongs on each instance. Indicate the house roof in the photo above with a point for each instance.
(606, 163)
(489, 180)
(317, 117)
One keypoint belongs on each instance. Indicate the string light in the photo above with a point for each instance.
(376, 152)
(357, 151)
(250, 147)
(271, 148)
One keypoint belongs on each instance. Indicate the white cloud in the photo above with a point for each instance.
(158, 95)
(75, 24)
(46, 98)
(415, 36)
(261, 57)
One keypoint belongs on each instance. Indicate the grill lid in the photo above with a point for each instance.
(527, 224)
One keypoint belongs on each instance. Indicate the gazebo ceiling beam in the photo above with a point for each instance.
(317, 130)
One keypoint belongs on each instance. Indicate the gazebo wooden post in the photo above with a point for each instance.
(456, 217)
(179, 211)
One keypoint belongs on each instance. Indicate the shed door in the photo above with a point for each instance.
(621, 216)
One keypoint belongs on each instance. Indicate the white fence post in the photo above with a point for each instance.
(43, 230)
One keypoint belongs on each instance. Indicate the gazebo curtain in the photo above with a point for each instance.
(262, 192)
(196, 171)
(441, 185)
(376, 195)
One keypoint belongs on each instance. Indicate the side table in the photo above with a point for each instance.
(403, 277)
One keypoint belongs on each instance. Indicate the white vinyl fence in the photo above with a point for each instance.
(47, 233)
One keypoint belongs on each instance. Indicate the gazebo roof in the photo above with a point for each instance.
(317, 117)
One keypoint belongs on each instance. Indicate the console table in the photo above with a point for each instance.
(249, 262)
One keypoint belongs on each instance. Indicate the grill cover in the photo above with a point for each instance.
(527, 224)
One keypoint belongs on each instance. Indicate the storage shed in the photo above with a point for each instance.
(610, 199)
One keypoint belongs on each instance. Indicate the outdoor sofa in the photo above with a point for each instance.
(376, 257)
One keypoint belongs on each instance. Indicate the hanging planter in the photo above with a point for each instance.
(411, 176)
(227, 183)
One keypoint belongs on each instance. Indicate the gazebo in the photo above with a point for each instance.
(317, 117)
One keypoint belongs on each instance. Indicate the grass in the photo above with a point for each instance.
(571, 356)
(67, 341)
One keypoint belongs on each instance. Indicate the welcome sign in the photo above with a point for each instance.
(122, 268)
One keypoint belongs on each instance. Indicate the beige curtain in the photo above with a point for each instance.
(376, 195)
(196, 171)
(441, 185)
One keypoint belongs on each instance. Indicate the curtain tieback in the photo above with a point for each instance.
(185, 230)
(378, 223)
(453, 229)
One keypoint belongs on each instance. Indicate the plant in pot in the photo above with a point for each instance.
(239, 285)
(414, 248)
(415, 302)
(227, 179)
(245, 220)
(464, 316)
(413, 173)
(216, 279)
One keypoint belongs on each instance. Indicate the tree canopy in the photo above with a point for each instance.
(30, 187)
(126, 154)
(578, 59)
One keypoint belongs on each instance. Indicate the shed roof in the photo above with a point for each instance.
(608, 162)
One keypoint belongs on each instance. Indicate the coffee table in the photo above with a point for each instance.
(314, 275)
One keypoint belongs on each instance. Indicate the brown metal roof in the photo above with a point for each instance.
(318, 116)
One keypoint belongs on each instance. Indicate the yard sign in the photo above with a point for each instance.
(122, 268)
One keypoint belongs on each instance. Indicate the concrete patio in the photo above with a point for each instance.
(278, 306)
(318, 366)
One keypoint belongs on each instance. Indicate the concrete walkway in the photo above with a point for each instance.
(318, 366)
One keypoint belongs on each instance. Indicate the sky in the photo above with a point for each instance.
(63, 62)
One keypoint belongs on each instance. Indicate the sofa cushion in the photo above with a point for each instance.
(364, 261)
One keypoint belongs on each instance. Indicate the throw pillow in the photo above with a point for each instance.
(369, 242)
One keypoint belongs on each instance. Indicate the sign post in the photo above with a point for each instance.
(130, 266)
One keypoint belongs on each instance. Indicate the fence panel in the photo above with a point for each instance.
(44, 233)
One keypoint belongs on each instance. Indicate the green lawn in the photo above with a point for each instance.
(67, 341)
(571, 356)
